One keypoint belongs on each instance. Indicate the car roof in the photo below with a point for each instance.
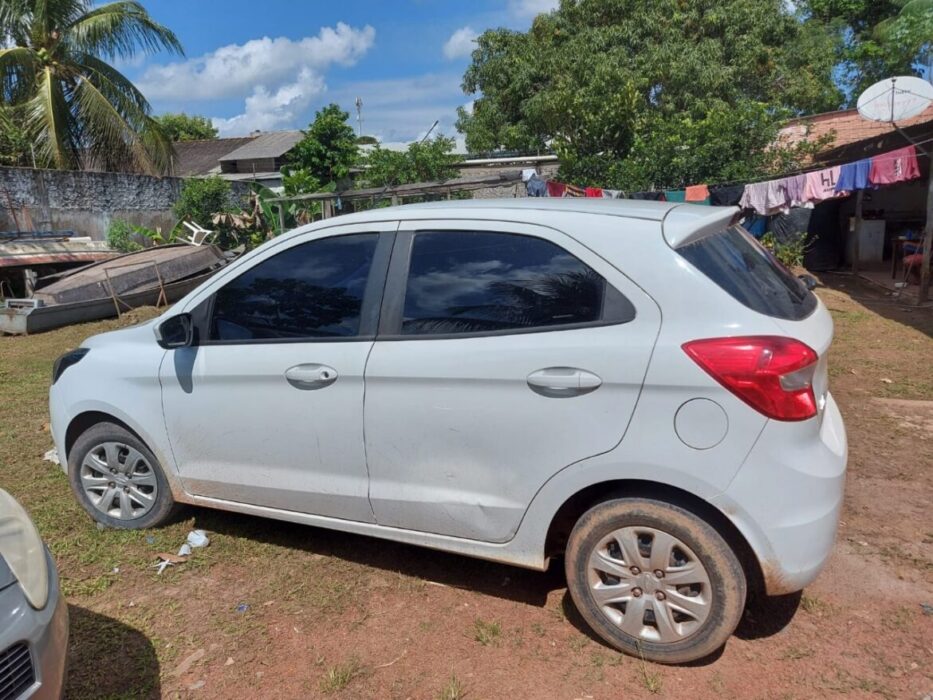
(629, 208)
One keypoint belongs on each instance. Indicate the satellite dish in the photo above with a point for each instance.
(895, 99)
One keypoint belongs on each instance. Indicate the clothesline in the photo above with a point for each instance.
(803, 187)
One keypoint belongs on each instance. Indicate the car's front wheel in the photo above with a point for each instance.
(118, 480)
(654, 580)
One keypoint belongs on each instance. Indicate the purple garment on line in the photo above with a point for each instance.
(796, 187)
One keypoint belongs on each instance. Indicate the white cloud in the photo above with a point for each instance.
(277, 78)
(268, 111)
(461, 43)
(233, 70)
(528, 9)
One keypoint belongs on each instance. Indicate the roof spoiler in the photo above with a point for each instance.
(686, 224)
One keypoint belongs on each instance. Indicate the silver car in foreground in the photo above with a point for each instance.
(638, 387)
(33, 614)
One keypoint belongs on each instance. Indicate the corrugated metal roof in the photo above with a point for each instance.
(270, 145)
(203, 157)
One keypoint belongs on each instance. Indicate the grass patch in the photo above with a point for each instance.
(815, 606)
(454, 689)
(794, 653)
(486, 633)
(340, 676)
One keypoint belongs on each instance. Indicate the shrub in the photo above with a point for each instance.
(790, 251)
(202, 198)
(120, 236)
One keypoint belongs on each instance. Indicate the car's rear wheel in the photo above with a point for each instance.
(118, 480)
(654, 580)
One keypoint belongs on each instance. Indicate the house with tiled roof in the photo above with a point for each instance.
(255, 158)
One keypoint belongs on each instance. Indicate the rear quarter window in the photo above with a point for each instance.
(750, 274)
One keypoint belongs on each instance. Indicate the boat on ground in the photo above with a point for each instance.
(149, 277)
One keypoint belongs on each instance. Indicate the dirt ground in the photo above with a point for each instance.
(278, 610)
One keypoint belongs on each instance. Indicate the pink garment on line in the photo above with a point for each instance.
(796, 187)
(896, 166)
(821, 185)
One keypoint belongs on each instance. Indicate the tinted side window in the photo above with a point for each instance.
(750, 274)
(478, 282)
(314, 290)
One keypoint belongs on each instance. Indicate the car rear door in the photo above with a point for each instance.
(267, 407)
(506, 352)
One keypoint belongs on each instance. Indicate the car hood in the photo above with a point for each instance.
(141, 331)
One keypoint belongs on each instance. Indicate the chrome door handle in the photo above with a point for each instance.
(310, 376)
(563, 382)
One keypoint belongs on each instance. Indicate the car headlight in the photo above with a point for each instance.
(72, 357)
(22, 549)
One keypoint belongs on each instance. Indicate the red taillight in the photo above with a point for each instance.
(770, 373)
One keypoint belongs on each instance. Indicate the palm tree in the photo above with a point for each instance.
(79, 110)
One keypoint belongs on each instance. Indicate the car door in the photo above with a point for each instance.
(267, 407)
(506, 352)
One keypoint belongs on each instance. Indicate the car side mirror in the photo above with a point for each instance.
(175, 332)
(809, 281)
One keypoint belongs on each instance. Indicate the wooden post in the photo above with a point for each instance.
(858, 229)
(927, 244)
(281, 208)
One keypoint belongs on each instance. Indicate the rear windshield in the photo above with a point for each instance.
(752, 275)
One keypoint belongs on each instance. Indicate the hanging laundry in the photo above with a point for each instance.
(536, 187)
(821, 185)
(766, 198)
(895, 166)
(594, 192)
(698, 194)
(854, 176)
(611, 194)
(796, 187)
(528, 173)
(555, 188)
(675, 196)
(756, 225)
(725, 195)
(574, 191)
(654, 195)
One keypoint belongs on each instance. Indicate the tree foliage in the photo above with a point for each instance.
(324, 155)
(187, 127)
(877, 39)
(427, 161)
(15, 144)
(78, 110)
(201, 198)
(640, 93)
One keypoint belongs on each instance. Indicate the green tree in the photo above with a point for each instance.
(79, 110)
(876, 38)
(326, 152)
(187, 127)
(201, 198)
(427, 161)
(15, 144)
(635, 93)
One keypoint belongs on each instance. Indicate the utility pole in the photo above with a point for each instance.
(359, 115)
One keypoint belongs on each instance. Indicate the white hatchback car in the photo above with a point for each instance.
(638, 386)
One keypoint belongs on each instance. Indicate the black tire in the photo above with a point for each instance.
(163, 505)
(727, 585)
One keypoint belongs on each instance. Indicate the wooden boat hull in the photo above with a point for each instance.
(23, 321)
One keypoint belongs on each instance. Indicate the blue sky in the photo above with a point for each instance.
(269, 65)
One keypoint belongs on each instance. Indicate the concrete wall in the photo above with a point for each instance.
(86, 202)
(547, 169)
